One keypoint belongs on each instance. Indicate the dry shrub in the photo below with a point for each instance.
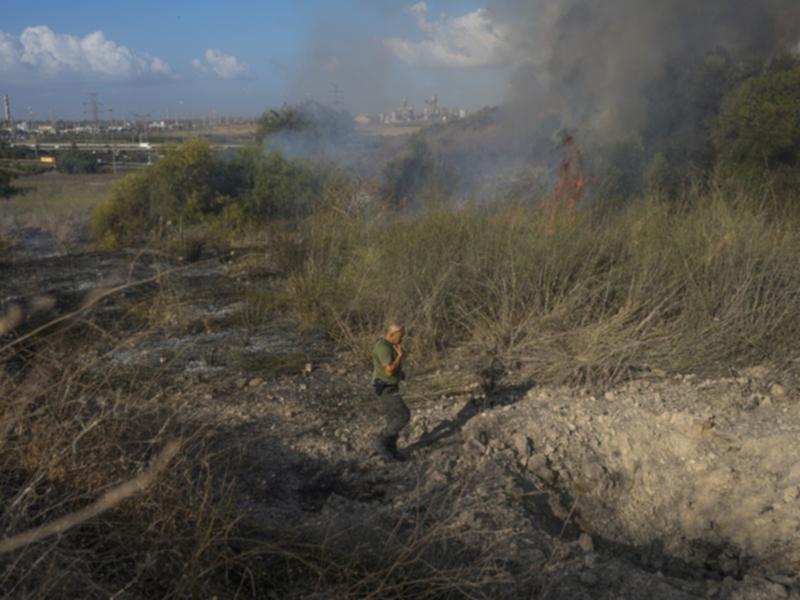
(702, 284)
(70, 430)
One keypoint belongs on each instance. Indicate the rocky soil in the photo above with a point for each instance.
(670, 486)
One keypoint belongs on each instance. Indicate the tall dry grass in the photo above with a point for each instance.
(709, 282)
(78, 442)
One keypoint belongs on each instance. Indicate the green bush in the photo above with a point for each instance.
(269, 186)
(190, 185)
(125, 216)
(193, 185)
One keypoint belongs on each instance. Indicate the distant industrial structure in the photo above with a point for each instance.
(134, 129)
(7, 122)
(434, 112)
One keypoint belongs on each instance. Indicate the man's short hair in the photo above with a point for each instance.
(393, 326)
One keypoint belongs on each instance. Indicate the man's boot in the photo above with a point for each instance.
(391, 446)
(386, 447)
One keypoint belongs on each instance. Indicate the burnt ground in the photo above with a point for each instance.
(670, 486)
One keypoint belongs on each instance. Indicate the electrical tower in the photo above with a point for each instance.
(142, 125)
(336, 94)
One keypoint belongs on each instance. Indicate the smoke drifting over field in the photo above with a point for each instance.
(635, 79)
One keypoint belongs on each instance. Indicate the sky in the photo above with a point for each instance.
(241, 57)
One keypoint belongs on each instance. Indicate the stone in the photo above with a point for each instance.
(537, 464)
(790, 495)
(610, 396)
(255, 382)
(776, 390)
(521, 444)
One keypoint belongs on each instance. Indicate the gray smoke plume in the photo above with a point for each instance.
(599, 63)
(634, 78)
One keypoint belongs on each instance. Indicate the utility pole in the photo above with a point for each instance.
(143, 125)
(113, 141)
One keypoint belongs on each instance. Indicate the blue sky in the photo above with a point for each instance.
(240, 57)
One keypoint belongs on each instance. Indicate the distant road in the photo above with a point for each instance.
(106, 146)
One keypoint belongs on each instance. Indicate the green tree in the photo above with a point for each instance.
(270, 186)
(287, 118)
(75, 161)
(309, 123)
(758, 132)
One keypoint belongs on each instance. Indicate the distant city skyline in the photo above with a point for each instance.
(186, 59)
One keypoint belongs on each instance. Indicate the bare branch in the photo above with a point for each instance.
(107, 501)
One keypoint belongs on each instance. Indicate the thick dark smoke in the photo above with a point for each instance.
(599, 64)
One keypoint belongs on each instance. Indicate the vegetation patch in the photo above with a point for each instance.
(704, 284)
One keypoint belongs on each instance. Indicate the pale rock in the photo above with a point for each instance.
(521, 445)
(776, 390)
(790, 495)
(537, 464)
(586, 544)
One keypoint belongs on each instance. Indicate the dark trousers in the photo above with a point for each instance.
(394, 409)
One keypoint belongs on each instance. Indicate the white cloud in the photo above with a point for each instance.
(41, 53)
(222, 66)
(471, 40)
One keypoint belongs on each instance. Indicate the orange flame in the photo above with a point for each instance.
(570, 186)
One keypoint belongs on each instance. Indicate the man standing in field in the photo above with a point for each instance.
(387, 361)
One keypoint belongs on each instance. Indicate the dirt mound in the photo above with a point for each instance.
(705, 472)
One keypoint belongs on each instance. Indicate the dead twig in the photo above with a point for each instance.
(107, 501)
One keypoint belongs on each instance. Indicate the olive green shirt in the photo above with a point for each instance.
(383, 354)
